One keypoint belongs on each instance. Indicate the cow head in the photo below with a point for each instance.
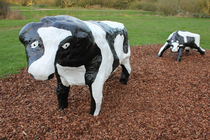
(174, 45)
(52, 41)
(175, 40)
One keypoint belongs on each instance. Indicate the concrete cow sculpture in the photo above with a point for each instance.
(180, 40)
(77, 52)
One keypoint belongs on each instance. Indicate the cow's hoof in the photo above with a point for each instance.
(178, 59)
(63, 106)
(202, 53)
(123, 81)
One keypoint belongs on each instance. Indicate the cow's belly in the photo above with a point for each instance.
(71, 75)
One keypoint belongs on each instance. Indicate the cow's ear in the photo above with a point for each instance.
(83, 39)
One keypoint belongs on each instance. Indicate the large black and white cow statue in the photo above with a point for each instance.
(180, 40)
(77, 52)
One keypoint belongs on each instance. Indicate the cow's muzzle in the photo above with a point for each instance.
(49, 77)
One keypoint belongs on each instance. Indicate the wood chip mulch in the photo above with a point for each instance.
(164, 99)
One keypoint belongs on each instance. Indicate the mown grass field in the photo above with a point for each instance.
(143, 28)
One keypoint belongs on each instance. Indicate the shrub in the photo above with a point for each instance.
(94, 7)
(119, 4)
(64, 3)
(4, 9)
(15, 15)
(42, 5)
(169, 7)
(58, 3)
(6, 13)
(191, 6)
(149, 6)
(136, 5)
(206, 6)
(24, 2)
(202, 15)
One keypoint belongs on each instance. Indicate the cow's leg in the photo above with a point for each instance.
(201, 51)
(163, 49)
(126, 69)
(179, 54)
(62, 95)
(96, 97)
(93, 103)
(194, 46)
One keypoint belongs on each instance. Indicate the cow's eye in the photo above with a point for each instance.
(34, 44)
(66, 45)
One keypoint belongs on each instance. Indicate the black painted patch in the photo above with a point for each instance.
(111, 34)
(80, 51)
(62, 95)
(124, 76)
(92, 67)
(82, 46)
(27, 36)
(190, 39)
(93, 103)
(176, 37)
(125, 43)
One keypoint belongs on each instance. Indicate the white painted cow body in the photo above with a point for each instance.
(180, 40)
(77, 52)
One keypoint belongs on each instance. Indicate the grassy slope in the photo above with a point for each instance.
(142, 29)
(154, 30)
(12, 54)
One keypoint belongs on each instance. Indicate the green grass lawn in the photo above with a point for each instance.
(12, 53)
(143, 28)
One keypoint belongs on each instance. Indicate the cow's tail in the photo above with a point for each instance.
(125, 43)
(126, 68)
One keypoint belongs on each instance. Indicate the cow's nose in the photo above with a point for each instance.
(50, 76)
(31, 75)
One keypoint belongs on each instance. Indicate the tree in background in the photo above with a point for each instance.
(121, 4)
(149, 5)
(118, 4)
(4, 9)
(24, 2)
(169, 7)
(191, 6)
(205, 5)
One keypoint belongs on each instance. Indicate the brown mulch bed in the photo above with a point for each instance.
(164, 99)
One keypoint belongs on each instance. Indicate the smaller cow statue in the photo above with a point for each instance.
(182, 40)
(77, 52)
